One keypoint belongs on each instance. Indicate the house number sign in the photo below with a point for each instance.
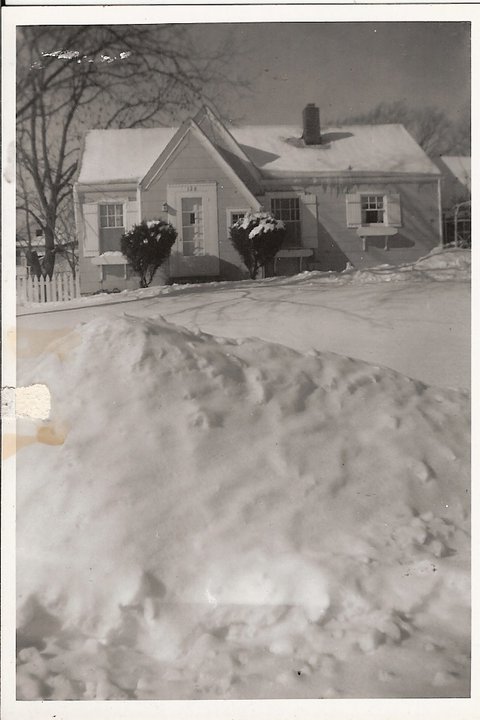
(186, 188)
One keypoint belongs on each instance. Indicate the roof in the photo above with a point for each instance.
(38, 241)
(121, 155)
(127, 155)
(360, 148)
(461, 167)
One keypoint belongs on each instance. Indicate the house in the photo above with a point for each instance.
(363, 195)
(36, 245)
(456, 193)
(457, 171)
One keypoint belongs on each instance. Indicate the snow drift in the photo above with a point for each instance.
(216, 518)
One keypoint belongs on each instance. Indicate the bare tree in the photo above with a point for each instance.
(73, 78)
(30, 224)
(432, 129)
(66, 245)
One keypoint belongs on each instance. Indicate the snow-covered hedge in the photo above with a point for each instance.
(257, 237)
(147, 246)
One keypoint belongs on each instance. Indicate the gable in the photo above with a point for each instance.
(191, 157)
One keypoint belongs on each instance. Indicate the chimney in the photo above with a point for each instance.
(311, 125)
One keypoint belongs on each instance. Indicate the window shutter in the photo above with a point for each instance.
(308, 220)
(131, 214)
(394, 212)
(354, 210)
(91, 231)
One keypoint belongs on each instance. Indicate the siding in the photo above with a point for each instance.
(419, 233)
(338, 244)
(192, 163)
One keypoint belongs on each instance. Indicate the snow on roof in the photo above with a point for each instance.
(461, 167)
(122, 155)
(363, 148)
(127, 155)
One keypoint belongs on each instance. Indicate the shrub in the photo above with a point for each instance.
(147, 246)
(257, 237)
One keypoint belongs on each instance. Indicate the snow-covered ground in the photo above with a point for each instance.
(405, 318)
(249, 490)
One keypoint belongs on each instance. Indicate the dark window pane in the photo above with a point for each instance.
(111, 272)
(110, 239)
(188, 247)
(188, 234)
(236, 216)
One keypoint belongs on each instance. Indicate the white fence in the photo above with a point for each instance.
(62, 286)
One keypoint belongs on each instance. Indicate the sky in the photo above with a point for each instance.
(345, 68)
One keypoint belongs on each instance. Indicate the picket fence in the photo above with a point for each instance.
(62, 286)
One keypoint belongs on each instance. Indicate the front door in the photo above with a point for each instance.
(193, 211)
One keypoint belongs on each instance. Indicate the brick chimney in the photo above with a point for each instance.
(311, 125)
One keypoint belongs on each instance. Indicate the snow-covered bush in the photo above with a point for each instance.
(147, 246)
(257, 237)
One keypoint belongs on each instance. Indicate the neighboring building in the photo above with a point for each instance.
(37, 244)
(456, 198)
(359, 194)
(459, 172)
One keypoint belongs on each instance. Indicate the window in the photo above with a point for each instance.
(112, 226)
(373, 209)
(111, 215)
(288, 210)
(234, 215)
(114, 272)
(192, 226)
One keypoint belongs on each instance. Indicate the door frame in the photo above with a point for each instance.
(208, 263)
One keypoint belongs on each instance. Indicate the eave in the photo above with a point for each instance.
(109, 185)
(281, 178)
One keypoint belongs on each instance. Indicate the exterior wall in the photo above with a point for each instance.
(91, 275)
(192, 163)
(323, 219)
(338, 244)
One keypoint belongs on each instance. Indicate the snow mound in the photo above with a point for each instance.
(441, 264)
(212, 518)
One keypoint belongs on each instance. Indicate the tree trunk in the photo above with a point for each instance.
(48, 264)
(49, 259)
(33, 263)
